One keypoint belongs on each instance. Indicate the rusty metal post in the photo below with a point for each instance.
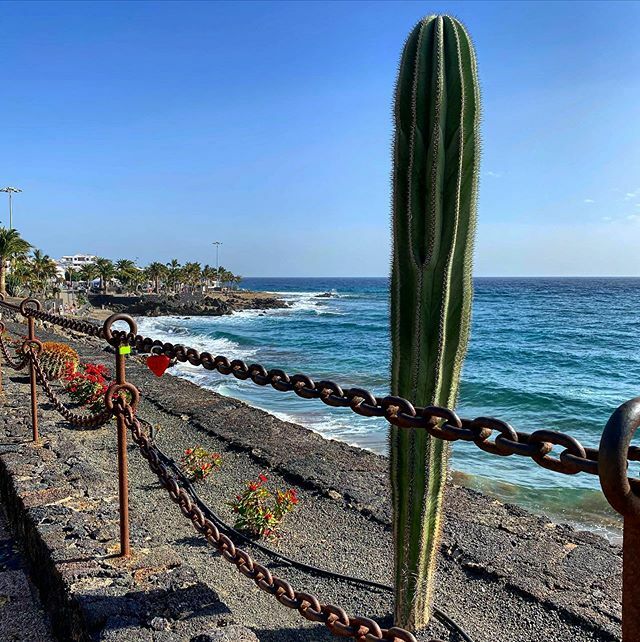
(2, 329)
(612, 468)
(34, 391)
(630, 583)
(123, 471)
(122, 348)
(24, 305)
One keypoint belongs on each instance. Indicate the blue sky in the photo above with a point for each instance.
(151, 129)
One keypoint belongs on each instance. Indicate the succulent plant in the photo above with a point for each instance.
(435, 178)
(58, 359)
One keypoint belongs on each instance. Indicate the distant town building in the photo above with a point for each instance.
(76, 261)
(73, 262)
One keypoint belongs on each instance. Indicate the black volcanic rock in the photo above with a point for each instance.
(186, 305)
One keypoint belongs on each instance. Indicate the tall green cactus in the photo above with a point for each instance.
(435, 179)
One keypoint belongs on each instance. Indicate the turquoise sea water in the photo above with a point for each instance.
(559, 354)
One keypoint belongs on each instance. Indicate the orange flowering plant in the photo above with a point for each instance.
(199, 463)
(259, 511)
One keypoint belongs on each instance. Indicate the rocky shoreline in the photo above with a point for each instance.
(154, 305)
(504, 573)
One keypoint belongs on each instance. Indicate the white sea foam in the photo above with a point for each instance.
(169, 329)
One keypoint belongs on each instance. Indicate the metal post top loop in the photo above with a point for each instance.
(113, 393)
(34, 304)
(612, 459)
(31, 344)
(106, 328)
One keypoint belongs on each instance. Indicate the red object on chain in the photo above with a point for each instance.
(158, 363)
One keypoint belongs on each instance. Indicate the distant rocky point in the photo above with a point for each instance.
(158, 305)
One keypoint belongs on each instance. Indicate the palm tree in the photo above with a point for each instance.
(88, 272)
(18, 276)
(126, 271)
(106, 270)
(225, 276)
(43, 271)
(12, 245)
(191, 274)
(137, 278)
(156, 271)
(173, 273)
(208, 273)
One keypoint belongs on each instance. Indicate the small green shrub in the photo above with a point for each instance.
(259, 511)
(199, 463)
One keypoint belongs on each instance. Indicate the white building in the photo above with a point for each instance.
(76, 261)
(73, 262)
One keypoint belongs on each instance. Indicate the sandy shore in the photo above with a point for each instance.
(504, 573)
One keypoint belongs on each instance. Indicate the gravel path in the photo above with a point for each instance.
(504, 574)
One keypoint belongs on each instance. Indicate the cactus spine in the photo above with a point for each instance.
(435, 177)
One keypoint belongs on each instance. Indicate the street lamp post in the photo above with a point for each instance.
(11, 191)
(217, 244)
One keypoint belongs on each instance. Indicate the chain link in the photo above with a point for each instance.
(15, 365)
(83, 327)
(333, 617)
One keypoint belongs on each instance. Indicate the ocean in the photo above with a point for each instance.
(552, 353)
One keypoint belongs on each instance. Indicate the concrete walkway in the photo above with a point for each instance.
(21, 614)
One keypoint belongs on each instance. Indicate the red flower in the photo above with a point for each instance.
(262, 478)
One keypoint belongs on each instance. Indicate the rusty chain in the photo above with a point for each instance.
(441, 423)
(83, 327)
(341, 624)
(15, 365)
(75, 419)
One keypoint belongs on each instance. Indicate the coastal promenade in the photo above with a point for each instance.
(504, 574)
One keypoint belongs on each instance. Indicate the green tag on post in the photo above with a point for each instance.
(125, 349)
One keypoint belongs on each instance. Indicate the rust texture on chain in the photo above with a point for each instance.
(75, 419)
(363, 629)
(16, 365)
(441, 423)
(26, 310)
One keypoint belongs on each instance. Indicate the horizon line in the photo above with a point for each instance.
(484, 276)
